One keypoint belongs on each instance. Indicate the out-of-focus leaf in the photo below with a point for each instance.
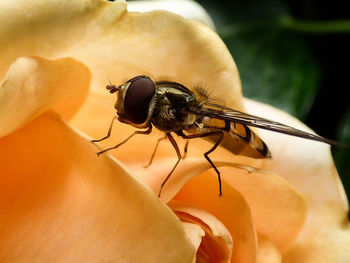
(276, 67)
(342, 155)
(275, 64)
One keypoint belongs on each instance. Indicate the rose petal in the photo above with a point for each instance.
(278, 210)
(50, 29)
(59, 202)
(310, 169)
(186, 8)
(321, 243)
(154, 175)
(26, 90)
(280, 219)
(310, 166)
(231, 209)
(119, 45)
(267, 252)
(217, 243)
(194, 233)
(25, 29)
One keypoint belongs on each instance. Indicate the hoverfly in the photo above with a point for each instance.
(173, 108)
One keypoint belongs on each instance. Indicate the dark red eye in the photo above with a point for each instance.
(137, 98)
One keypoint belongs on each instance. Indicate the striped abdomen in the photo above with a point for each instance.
(239, 139)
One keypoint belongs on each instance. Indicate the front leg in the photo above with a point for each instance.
(108, 133)
(148, 131)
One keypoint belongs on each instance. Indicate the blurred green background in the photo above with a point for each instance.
(294, 55)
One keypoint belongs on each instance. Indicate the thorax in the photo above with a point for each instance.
(169, 107)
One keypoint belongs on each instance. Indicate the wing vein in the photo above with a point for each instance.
(223, 113)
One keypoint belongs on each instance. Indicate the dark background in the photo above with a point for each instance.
(294, 55)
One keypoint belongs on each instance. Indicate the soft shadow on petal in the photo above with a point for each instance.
(27, 90)
(154, 175)
(50, 29)
(194, 233)
(231, 209)
(267, 251)
(278, 210)
(61, 203)
(309, 167)
(216, 245)
(321, 244)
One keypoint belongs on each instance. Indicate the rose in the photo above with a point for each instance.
(91, 208)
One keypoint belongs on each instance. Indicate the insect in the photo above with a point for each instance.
(173, 108)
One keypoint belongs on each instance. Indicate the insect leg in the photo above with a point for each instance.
(212, 164)
(155, 150)
(193, 136)
(185, 150)
(108, 133)
(179, 157)
(148, 131)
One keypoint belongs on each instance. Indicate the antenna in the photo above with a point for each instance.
(111, 87)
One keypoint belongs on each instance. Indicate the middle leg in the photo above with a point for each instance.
(206, 154)
(179, 157)
(155, 150)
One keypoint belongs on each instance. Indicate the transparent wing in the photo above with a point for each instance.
(223, 113)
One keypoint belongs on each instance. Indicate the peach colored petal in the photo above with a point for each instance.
(188, 168)
(231, 209)
(310, 166)
(112, 42)
(312, 172)
(280, 219)
(267, 252)
(194, 233)
(60, 203)
(26, 90)
(118, 44)
(154, 175)
(321, 244)
(217, 243)
(278, 210)
(186, 8)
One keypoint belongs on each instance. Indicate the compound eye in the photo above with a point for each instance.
(137, 99)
